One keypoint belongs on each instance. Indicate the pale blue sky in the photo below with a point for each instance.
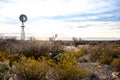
(67, 18)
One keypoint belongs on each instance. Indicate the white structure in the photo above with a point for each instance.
(22, 33)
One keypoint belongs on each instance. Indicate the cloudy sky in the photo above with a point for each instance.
(67, 18)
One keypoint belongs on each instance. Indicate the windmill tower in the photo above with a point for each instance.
(23, 18)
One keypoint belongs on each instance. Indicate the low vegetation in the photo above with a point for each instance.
(39, 60)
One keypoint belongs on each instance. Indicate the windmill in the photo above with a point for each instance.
(23, 18)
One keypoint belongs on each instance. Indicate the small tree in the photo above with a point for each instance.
(53, 38)
(76, 41)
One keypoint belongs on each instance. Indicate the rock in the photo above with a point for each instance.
(115, 75)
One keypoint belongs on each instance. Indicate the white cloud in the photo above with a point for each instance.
(52, 8)
(48, 8)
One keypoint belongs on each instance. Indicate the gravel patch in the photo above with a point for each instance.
(104, 72)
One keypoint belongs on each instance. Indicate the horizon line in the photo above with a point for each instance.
(62, 38)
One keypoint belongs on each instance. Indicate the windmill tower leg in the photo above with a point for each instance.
(22, 33)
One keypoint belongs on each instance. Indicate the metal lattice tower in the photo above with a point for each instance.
(23, 18)
(22, 33)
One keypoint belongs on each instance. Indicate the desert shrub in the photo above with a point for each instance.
(6, 45)
(52, 73)
(69, 71)
(31, 48)
(46, 68)
(105, 58)
(7, 72)
(29, 69)
(3, 67)
(95, 52)
(116, 63)
(71, 56)
(4, 70)
(108, 53)
(67, 67)
(7, 56)
(43, 49)
(103, 53)
(79, 53)
(4, 56)
(56, 48)
(115, 53)
(65, 57)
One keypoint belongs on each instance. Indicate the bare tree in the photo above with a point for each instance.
(53, 38)
(76, 41)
